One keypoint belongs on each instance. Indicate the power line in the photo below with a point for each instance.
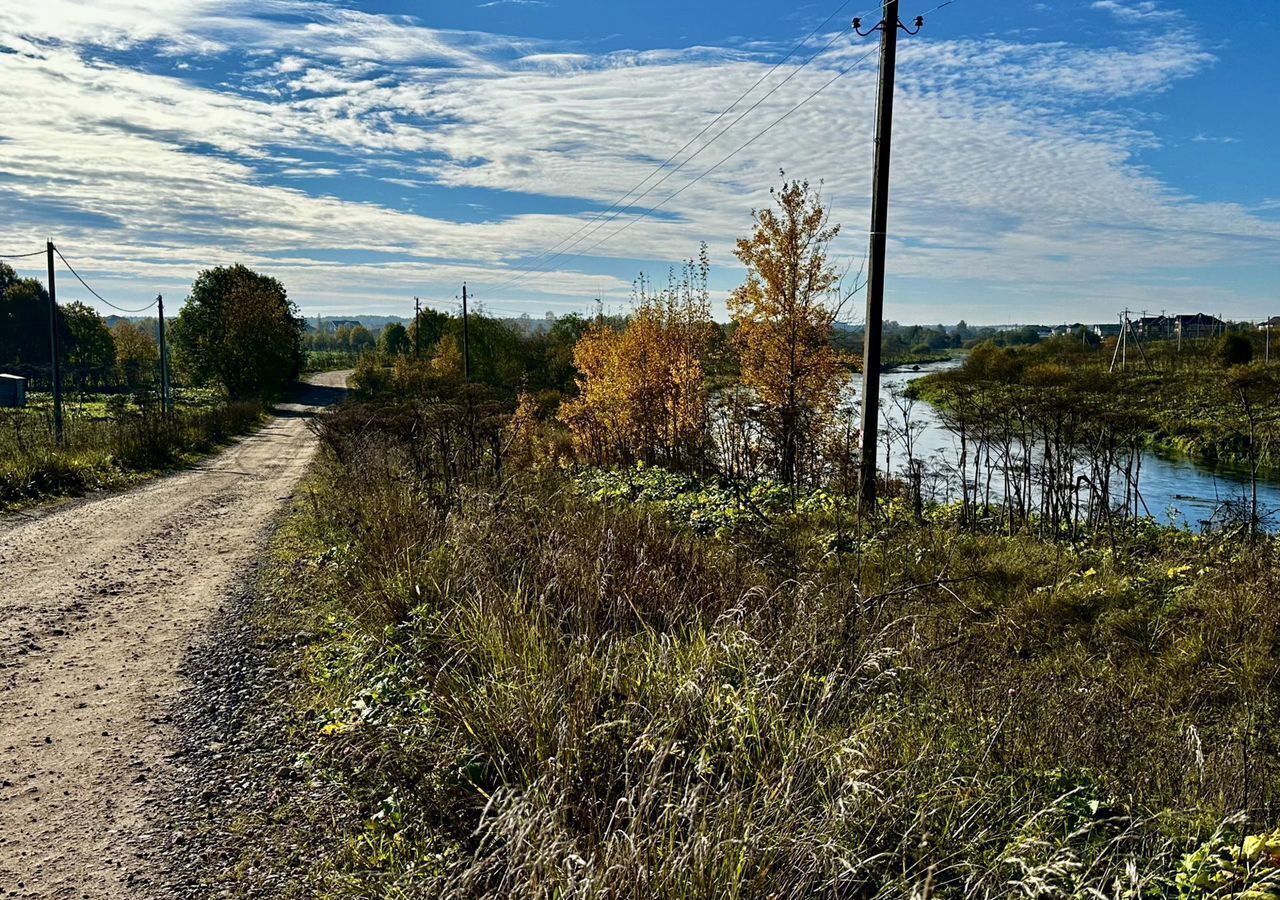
(840, 74)
(596, 218)
(673, 171)
(20, 255)
(693, 139)
(936, 8)
(95, 293)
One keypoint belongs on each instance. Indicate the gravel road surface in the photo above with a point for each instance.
(100, 603)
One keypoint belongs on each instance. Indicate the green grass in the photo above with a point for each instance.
(329, 360)
(110, 441)
(623, 685)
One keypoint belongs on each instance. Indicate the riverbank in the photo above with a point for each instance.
(546, 686)
(1172, 440)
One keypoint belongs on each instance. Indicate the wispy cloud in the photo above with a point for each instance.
(1202, 138)
(1137, 10)
(1012, 171)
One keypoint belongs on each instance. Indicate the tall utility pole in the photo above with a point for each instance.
(417, 328)
(53, 348)
(166, 403)
(888, 29)
(466, 337)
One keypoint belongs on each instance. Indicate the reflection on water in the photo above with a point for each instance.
(1174, 489)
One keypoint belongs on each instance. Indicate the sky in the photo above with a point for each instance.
(1053, 162)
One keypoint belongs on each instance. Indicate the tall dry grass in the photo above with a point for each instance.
(106, 452)
(533, 695)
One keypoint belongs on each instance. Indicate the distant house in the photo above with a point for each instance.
(1271, 324)
(1156, 328)
(1106, 329)
(13, 391)
(1199, 325)
(1168, 328)
(1069, 329)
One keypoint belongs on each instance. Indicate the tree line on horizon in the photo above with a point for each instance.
(237, 330)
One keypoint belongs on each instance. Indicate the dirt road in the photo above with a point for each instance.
(99, 603)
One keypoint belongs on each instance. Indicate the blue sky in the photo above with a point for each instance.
(1053, 161)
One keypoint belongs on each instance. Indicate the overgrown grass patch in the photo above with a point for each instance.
(542, 689)
(123, 445)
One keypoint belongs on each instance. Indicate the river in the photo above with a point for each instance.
(1175, 489)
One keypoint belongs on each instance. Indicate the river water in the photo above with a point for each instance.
(1175, 489)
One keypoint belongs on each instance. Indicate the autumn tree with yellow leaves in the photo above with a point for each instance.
(785, 311)
(642, 389)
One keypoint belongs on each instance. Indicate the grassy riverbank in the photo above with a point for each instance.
(587, 686)
(1195, 406)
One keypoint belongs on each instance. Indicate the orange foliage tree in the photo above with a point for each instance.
(785, 311)
(642, 389)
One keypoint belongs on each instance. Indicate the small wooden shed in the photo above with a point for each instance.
(13, 391)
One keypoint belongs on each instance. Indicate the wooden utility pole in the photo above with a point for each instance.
(872, 335)
(417, 328)
(166, 402)
(1121, 352)
(466, 337)
(55, 371)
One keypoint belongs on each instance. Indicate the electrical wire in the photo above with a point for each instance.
(693, 139)
(21, 255)
(938, 7)
(95, 293)
(721, 162)
(596, 218)
(840, 74)
(657, 184)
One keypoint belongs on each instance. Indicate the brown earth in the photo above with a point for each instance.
(100, 603)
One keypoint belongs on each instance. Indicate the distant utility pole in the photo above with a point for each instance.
(1122, 344)
(466, 337)
(53, 349)
(872, 335)
(166, 403)
(417, 328)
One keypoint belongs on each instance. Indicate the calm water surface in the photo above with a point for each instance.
(1176, 490)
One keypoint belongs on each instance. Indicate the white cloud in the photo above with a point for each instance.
(1202, 138)
(1012, 172)
(1137, 10)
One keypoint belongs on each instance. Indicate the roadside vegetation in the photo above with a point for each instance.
(234, 348)
(639, 642)
(111, 441)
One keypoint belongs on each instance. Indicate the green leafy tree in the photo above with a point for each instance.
(239, 329)
(24, 320)
(425, 332)
(137, 356)
(90, 353)
(394, 340)
(360, 339)
(495, 349)
(561, 338)
(1235, 350)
